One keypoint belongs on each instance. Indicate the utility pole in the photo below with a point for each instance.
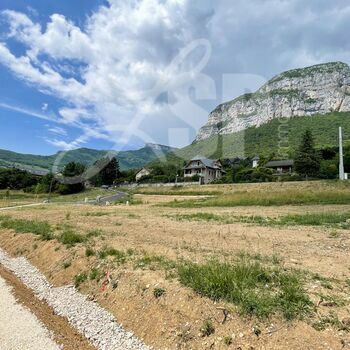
(341, 156)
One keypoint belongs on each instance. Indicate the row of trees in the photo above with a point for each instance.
(73, 178)
(309, 163)
(17, 179)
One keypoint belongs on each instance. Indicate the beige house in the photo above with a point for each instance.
(207, 169)
(143, 172)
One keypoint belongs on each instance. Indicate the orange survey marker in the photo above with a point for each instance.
(105, 282)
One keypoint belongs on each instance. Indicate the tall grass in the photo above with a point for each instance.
(40, 228)
(179, 190)
(266, 198)
(315, 219)
(256, 289)
(309, 219)
(201, 217)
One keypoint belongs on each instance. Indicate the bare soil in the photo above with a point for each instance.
(174, 320)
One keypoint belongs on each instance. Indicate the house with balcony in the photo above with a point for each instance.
(281, 167)
(208, 170)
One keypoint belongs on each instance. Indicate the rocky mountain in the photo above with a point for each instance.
(319, 89)
(42, 164)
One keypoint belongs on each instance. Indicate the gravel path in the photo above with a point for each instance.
(94, 322)
(19, 328)
(22, 206)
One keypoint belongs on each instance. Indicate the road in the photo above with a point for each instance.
(27, 323)
(112, 198)
(19, 328)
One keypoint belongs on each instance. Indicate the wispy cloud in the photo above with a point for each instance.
(30, 112)
(58, 131)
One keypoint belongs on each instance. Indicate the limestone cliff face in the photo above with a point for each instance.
(319, 89)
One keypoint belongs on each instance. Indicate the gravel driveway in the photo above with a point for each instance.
(19, 328)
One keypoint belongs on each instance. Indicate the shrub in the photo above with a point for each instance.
(158, 292)
(70, 238)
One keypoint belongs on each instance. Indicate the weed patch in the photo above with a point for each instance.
(202, 217)
(79, 279)
(94, 233)
(287, 197)
(153, 262)
(330, 320)
(70, 238)
(95, 274)
(339, 220)
(67, 264)
(89, 252)
(40, 228)
(119, 256)
(97, 213)
(207, 328)
(255, 289)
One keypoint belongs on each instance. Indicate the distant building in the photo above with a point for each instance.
(143, 172)
(207, 169)
(281, 166)
(255, 162)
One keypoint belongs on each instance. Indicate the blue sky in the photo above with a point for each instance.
(116, 74)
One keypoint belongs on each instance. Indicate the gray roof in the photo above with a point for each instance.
(279, 163)
(209, 163)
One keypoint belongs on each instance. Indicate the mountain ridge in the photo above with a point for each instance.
(318, 89)
(132, 159)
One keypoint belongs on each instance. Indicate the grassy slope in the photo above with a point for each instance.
(264, 140)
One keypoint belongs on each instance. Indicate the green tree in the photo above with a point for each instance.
(108, 172)
(307, 160)
(48, 181)
(72, 181)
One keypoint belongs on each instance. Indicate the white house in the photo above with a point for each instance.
(143, 172)
(255, 162)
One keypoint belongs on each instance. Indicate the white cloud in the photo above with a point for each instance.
(122, 54)
(110, 72)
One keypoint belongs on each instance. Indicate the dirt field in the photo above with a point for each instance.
(148, 237)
